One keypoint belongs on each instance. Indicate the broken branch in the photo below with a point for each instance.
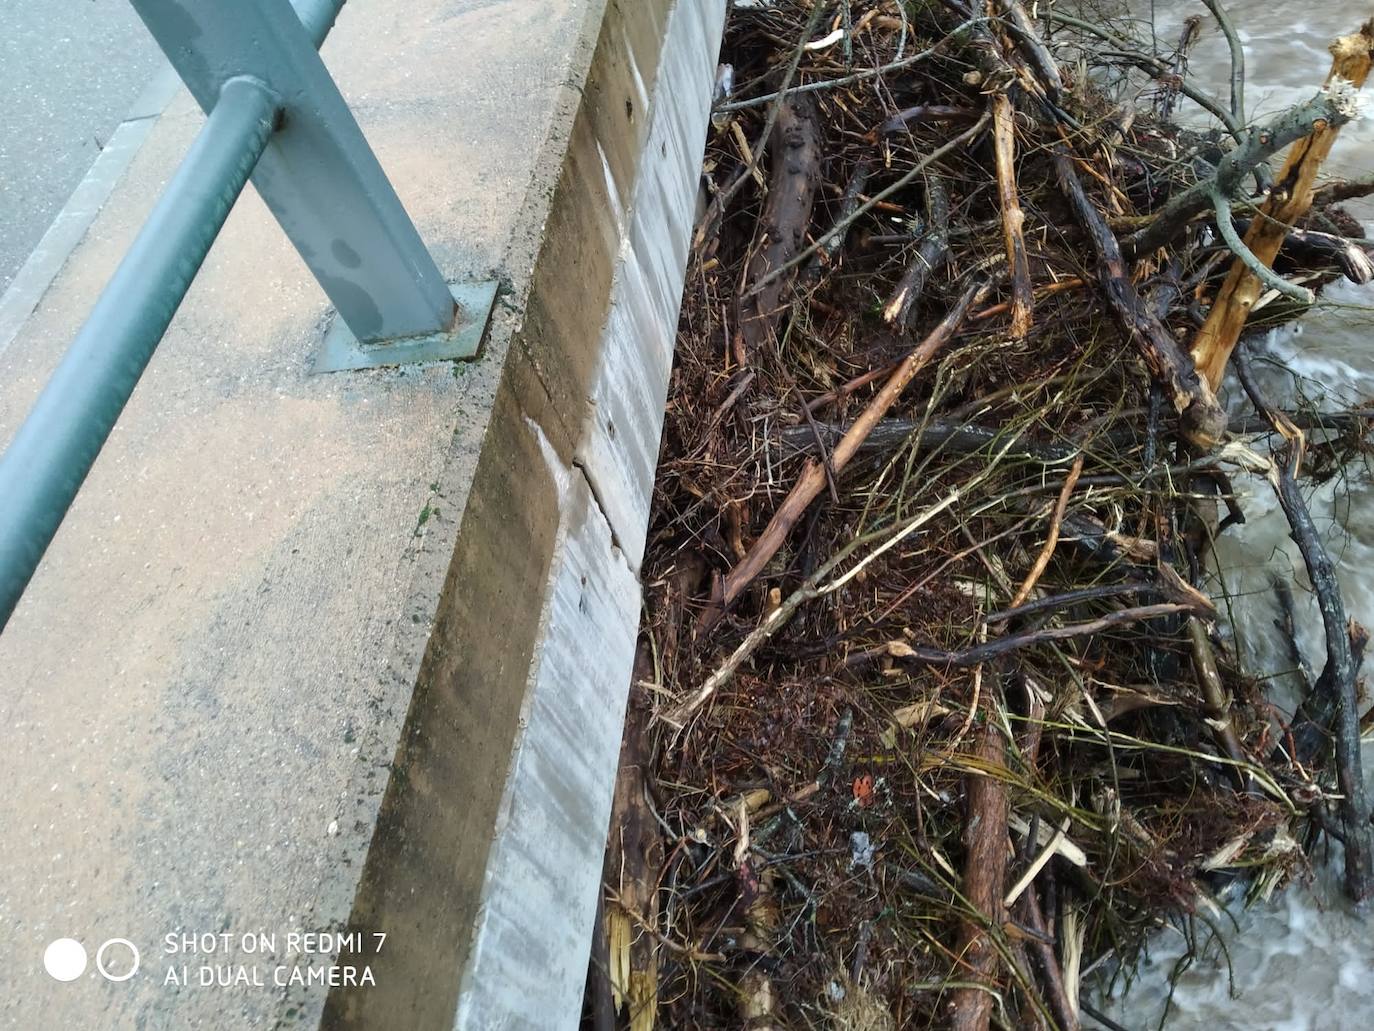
(1289, 201)
(1203, 420)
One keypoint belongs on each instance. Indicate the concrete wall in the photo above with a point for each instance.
(595, 351)
(318, 652)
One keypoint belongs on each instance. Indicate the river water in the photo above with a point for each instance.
(1304, 960)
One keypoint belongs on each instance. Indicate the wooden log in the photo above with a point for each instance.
(985, 872)
(1289, 200)
(1202, 419)
(785, 220)
(1004, 152)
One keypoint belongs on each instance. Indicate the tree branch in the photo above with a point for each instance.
(1261, 144)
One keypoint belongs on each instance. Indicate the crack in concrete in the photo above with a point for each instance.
(595, 492)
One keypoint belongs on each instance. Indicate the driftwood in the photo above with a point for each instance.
(813, 477)
(1032, 48)
(929, 256)
(1002, 646)
(849, 203)
(1310, 729)
(1261, 144)
(786, 218)
(962, 437)
(1309, 249)
(926, 113)
(634, 856)
(1337, 680)
(1341, 190)
(1157, 67)
(1290, 200)
(1027, 904)
(985, 869)
(958, 436)
(1051, 974)
(1169, 93)
(829, 729)
(1237, 58)
(1203, 420)
(1216, 697)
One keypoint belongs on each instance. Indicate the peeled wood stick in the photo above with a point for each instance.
(1289, 201)
(985, 871)
(812, 480)
(1004, 152)
(1203, 420)
(845, 389)
(1049, 290)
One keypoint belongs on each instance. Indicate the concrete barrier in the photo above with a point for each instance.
(349, 653)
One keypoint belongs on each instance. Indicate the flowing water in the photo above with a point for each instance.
(1304, 960)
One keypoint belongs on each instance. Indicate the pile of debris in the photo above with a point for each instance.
(932, 717)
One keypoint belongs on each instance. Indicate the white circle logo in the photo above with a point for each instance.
(65, 959)
(100, 959)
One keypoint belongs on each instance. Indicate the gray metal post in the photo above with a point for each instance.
(45, 464)
(318, 175)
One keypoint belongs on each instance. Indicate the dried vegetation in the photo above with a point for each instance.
(931, 715)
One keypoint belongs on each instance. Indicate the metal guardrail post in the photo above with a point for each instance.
(319, 176)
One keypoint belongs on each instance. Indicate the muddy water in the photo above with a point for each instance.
(1304, 960)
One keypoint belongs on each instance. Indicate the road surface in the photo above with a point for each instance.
(69, 72)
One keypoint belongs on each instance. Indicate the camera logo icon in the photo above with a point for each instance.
(65, 959)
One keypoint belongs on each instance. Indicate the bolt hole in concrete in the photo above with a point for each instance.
(1301, 960)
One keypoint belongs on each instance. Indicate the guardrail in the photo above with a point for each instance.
(275, 115)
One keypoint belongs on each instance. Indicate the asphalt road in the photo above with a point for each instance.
(69, 72)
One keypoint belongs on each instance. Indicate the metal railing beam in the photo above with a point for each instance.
(46, 463)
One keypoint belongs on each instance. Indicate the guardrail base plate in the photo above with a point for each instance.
(342, 351)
